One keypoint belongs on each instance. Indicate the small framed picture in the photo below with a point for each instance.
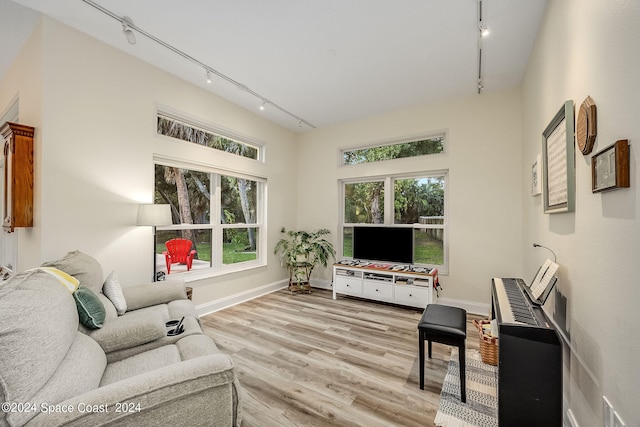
(536, 179)
(610, 167)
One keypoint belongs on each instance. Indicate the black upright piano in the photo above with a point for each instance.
(529, 358)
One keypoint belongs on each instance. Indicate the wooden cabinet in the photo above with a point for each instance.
(408, 288)
(18, 176)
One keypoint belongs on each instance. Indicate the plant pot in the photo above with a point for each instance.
(295, 288)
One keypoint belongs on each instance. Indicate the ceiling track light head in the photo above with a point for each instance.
(484, 30)
(127, 23)
(209, 77)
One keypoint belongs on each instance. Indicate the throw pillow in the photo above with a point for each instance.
(66, 280)
(83, 267)
(90, 308)
(113, 291)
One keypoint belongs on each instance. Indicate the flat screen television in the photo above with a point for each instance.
(390, 244)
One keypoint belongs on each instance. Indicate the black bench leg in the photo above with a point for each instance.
(429, 348)
(421, 347)
(463, 367)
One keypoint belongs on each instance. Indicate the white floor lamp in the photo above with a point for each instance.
(154, 215)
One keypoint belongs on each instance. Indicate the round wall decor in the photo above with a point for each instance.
(586, 127)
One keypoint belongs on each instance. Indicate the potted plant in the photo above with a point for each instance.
(300, 252)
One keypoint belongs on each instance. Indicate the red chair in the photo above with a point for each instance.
(178, 251)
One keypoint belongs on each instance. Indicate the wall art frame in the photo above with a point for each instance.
(559, 168)
(610, 167)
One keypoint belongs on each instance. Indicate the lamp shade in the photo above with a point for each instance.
(155, 215)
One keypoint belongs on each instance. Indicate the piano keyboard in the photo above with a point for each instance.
(514, 307)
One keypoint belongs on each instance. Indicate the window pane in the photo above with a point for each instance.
(419, 200)
(201, 239)
(347, 242)
(394, 151)
(192, 133)
(239, 245)
(364, 203)
(239, 199)
(187, 191)
(428, 246)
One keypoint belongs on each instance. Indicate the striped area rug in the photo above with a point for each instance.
(481, 407)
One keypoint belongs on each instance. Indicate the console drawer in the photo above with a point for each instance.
(414, 296)
(348, 285)
(378, 290)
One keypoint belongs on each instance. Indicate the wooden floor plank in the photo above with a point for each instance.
(309, 360)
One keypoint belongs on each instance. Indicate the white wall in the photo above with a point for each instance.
(485, 180)
(590, 47)
(95, 165)
(24, 80)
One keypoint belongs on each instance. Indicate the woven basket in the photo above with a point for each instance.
(488, 344)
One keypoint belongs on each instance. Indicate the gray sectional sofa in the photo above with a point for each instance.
(122, 369)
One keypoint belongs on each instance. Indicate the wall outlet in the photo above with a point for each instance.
(617, 421)
(607, 412)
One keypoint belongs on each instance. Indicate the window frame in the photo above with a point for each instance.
(218, 268)
(389, 211)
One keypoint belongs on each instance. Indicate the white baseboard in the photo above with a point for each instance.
(471, 306)
(322, 284)
(219, 304)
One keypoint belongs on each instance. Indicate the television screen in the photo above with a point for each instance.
(391, 244)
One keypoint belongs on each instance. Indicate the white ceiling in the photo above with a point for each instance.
(324, 61)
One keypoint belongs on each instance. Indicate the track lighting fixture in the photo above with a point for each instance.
(262, 106)
(484, 30)
(126, 29)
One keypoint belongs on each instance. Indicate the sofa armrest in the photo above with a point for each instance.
(167, 396)
(130, 330)
(141, 296)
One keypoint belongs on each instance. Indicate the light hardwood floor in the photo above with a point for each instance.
(307, 360)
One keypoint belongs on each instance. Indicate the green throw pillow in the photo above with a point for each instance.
(90, 308)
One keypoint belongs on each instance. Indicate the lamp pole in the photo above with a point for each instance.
(154, 215)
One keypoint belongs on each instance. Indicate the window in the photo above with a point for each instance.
(220, 212)
(395, 150)
(190, 131)
(417, 201)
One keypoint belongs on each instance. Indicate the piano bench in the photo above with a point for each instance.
(445, 325)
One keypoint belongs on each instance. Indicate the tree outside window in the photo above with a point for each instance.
(217, 213)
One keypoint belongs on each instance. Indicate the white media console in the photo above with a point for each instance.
(382, 282)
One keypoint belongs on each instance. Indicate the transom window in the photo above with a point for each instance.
(190, 131)
(417, 201)
(395, 150)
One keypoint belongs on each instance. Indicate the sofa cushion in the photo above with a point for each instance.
(140, 364)
(79, 372)
(132, 330)
(108, 307)
(38, 324)
(196, 346)
(113, 291)
(83, 267)
(153, 294)
(90, 308)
